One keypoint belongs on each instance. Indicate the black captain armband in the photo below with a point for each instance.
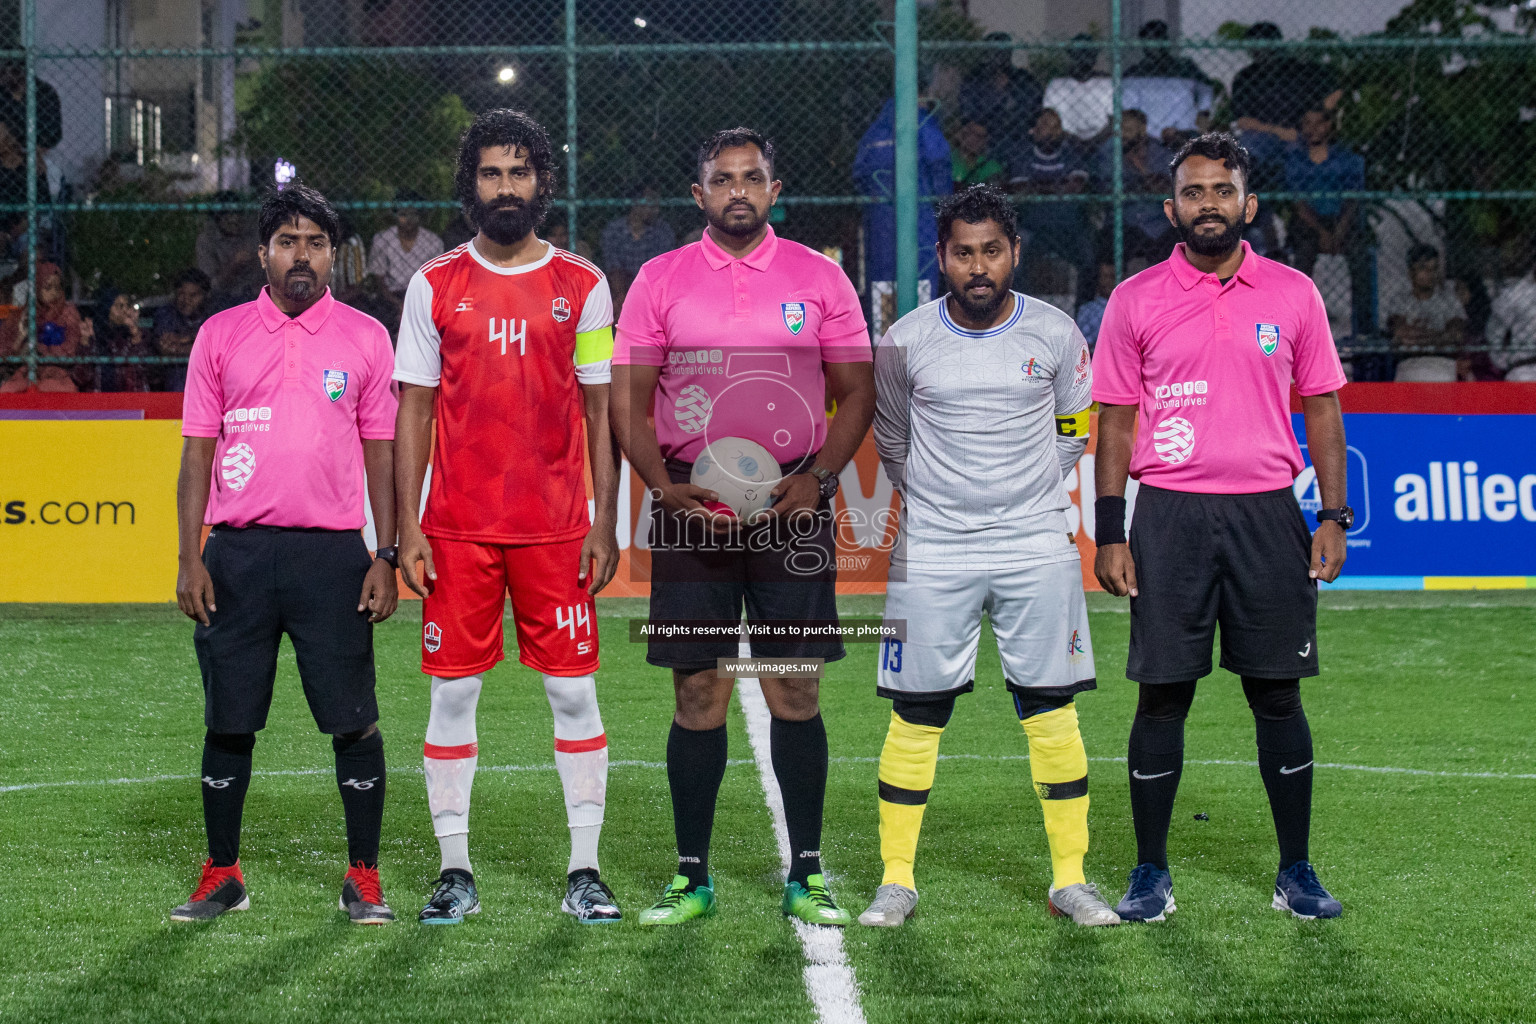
(1109, 520)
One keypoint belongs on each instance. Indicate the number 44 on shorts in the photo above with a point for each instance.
(569, 617)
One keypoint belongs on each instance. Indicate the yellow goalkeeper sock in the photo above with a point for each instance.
(907, 764)
(1059, 765)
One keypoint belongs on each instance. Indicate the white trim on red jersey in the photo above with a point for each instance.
(417, 357)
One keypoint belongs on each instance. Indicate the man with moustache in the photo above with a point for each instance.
(982, 412)
(290, 397)
(742, 334)
(505, 343)
(1196, 360)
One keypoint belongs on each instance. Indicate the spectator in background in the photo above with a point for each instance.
(399, 251)
(1427, 324)
(1053, 165)
(971, 161)
(351, 265)
(60, 333)
(1148, 235)
(1327, 226)
(458, 231)
(1171, 90)
(633, 238)
(1270, 95)
(178, 321)
(1083, 97)
(226, 252)
(117, 333)
(13, 181)
(1004, 98)
(874, 174)
(1091, 313)
(50, 117)
(557, 233)
(1511, 331)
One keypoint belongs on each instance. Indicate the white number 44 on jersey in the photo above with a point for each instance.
(578, 616)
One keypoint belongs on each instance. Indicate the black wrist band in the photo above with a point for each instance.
(1109, 520)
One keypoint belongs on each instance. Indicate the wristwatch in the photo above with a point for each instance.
(390, 554)
(1345, 516)
(826, 481)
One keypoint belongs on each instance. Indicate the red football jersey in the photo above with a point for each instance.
(506, 349)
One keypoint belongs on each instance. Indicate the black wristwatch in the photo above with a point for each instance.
(390, 554)
(826, 481)
(1345, 516)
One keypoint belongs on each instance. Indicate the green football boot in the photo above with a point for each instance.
(813, 904)
(678, 905)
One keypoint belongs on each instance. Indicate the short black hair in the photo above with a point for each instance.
(1157, 28)
(1423, 253)
(976, 205)
(292, 201)
(1221, 146)
(191, 275)
(408, 197)
(730, 138)
(502, 127)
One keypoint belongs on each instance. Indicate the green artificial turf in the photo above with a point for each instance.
(1435, 870)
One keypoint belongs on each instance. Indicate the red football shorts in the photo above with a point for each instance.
(556, 618)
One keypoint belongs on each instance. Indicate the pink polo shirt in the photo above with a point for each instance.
(740, 343)
(1210, 367)
(290, 400)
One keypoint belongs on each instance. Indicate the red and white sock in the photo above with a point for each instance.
(450, 755)
(581, 754)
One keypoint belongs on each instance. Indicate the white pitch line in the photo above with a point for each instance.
(738, 762)
(829, 979)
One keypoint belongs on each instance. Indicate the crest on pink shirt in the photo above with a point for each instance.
(1269, 338)
(335, 383)
(794, 315)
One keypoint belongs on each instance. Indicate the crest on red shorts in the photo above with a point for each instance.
(431, 637)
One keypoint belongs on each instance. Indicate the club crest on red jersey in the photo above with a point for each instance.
(560, 309)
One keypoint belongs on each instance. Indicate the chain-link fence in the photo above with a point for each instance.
(1394, 147)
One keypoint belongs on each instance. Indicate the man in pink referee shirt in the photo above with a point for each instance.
(289, 398)
(742, 335)
(1196, 359)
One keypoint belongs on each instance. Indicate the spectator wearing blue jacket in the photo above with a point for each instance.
(874, 172)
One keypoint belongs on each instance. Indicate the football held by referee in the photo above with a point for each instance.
(1194, 369)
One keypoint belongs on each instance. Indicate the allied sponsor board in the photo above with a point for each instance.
(1443, 501)
(1436, 496)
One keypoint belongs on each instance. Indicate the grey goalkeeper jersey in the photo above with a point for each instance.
(977, 430)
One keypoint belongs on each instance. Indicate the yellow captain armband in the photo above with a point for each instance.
(1075, 425)
(594, 346)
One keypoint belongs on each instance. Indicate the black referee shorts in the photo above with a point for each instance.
(269, 581)
(780, 571)
(1238, 560)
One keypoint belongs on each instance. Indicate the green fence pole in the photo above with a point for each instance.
(570, 120)
(1117, 147)
(906, 156)
(29, 43)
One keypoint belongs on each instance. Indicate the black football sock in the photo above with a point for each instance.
(1285, 760)
(226, 777)
(1155, 763)
(799, 752)
(360, 777)
(695, 766)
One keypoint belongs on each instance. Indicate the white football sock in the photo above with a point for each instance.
(581, 754)
(450, 755)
